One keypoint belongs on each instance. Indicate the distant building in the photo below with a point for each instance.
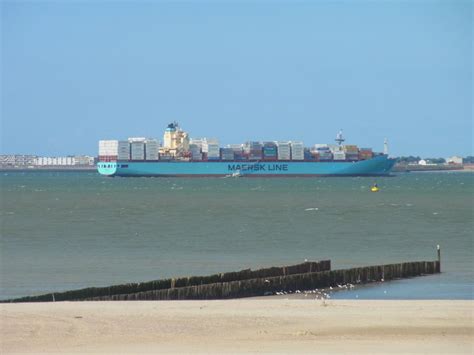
(422, 162)
(54, 161)
(83, 160)
(454, 160)
(17, 160)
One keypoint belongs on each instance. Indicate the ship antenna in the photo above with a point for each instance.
(385, 146)
(339, 138)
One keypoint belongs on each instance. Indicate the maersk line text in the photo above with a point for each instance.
(257, 167)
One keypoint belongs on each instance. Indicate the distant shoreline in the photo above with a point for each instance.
(49, 168)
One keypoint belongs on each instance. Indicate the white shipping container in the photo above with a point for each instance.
(123, 150)
(209, 146)
(123, 156)
(151, 150)
(339, 155)
(137, 150)
(283, 150)
(103, 143)
(108, 147)
(137, 139)
(196, 141)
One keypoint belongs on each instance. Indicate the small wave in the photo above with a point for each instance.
(312, 209)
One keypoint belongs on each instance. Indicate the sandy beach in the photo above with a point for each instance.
(262, 325)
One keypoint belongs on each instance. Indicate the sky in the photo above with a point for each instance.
(74, 72)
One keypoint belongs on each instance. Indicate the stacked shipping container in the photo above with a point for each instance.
(208, 149)
(365, 153)
(195, 150)
(323, 152)
(284, 150)
(108, 150)
(270, 151)
(123, 152)
(352, 152)
(253, 150)
(211, 149)
(227, 154)
(297, 151)
(152, 149)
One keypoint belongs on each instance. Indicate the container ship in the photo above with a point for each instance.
(180, 155)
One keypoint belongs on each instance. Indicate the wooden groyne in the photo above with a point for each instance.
(245, 283)
(293, 282)
(113, 292)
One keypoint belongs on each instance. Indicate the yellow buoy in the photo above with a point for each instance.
(374, 189)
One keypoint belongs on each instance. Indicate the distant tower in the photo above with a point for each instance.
(385, 146)
(339, 138)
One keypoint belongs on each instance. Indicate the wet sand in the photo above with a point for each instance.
(263, 325)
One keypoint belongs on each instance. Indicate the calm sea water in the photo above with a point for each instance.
(62, 231)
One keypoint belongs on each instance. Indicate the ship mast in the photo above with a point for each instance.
(339, 139)
(385, 146)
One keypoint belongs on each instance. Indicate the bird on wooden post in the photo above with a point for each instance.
(439, 258)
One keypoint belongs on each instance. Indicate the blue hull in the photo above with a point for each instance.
(378, 166)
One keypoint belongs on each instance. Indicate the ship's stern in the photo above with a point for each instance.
(107, 168)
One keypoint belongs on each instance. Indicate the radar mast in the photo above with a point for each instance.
(339, 138)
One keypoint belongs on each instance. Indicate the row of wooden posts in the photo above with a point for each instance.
(172, 283)
(245, 283)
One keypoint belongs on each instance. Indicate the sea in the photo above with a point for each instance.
(69, 230)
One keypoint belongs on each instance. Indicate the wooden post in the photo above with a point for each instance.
(439, 258)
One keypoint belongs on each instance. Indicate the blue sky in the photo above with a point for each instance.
(76, 72)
